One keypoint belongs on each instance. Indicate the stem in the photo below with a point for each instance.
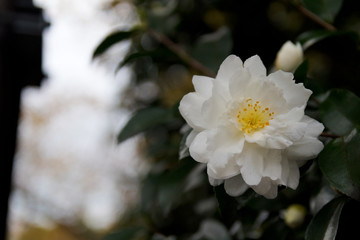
(181, 53)
(314, 17)
(326, 134)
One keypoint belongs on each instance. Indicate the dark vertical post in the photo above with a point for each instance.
(21, 27)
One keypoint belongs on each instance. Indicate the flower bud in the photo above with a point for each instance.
(295, 215)
(289, 57)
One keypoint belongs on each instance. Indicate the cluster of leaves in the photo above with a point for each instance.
(176, 39)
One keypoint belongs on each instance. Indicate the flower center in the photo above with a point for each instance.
(252, 116)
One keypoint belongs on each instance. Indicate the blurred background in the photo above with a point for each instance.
(69, 179)
(65, 176)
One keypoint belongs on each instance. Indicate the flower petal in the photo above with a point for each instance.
(224, 144)
(198, 148)
(267, 140)
(294, 175)
(226, 139)
(215, 182)
(255, 66)
(190, 138)
(190, 108)
(296, 95)
(229, 67)
(213, 109)
(229, 170)
(266, 187)
(314, 128)
(272, 164)
(251, 161)
(294, 115)
(305, 149)
(235, 186)
(292, 131)
(203, 85)
(238, 84)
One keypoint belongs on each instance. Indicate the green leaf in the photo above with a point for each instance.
(228, 206)
(340, 112)
(112, 39)
(131, 57)
(124, 234)
(352, 149)
(161, 191)
(300, 74)
(325, 9)
(333, 164)
(143, 120)
(325, 223)
(160, 54)
(212, 49)
(307, 39)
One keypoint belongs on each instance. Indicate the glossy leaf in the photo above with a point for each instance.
(158, 55)
(227, 205)
(340, 112)
(112, 39)
(307, 39)
(325, 223)
(213, 48)
(353, 158)
(333, 164)
(143, 120)
(325, 9)
(124, 234)
(300, 73)
(162, 191)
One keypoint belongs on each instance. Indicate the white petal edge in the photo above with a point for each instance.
(235, 186)
(190, 108)
(203, 85)
(198, 147)
(314, 128)
(255, 66)
(215, 182)
(266, 187)
(252, 164)
(296, 95)
(305, 149)
(229, 67)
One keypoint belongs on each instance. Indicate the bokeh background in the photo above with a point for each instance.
(65, 176)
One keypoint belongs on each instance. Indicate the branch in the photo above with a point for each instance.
(330, 135)
(181, 53)
(315, 18)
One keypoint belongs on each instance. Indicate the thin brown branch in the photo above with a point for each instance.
(330, 135)
(196, 65)
(315, 18)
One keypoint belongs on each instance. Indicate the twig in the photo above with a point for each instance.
(181, 53)
(330, 135)
(315, 18)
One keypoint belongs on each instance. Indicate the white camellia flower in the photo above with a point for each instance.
(250, 128)
(289, 57)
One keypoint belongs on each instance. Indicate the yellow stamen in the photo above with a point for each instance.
(253, 118)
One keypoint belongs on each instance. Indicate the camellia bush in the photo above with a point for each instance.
(250, 116)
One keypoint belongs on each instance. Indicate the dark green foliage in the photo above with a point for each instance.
(325, 9)
(177, 201)
(112, 39)
(340, 112)
(325, 223)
